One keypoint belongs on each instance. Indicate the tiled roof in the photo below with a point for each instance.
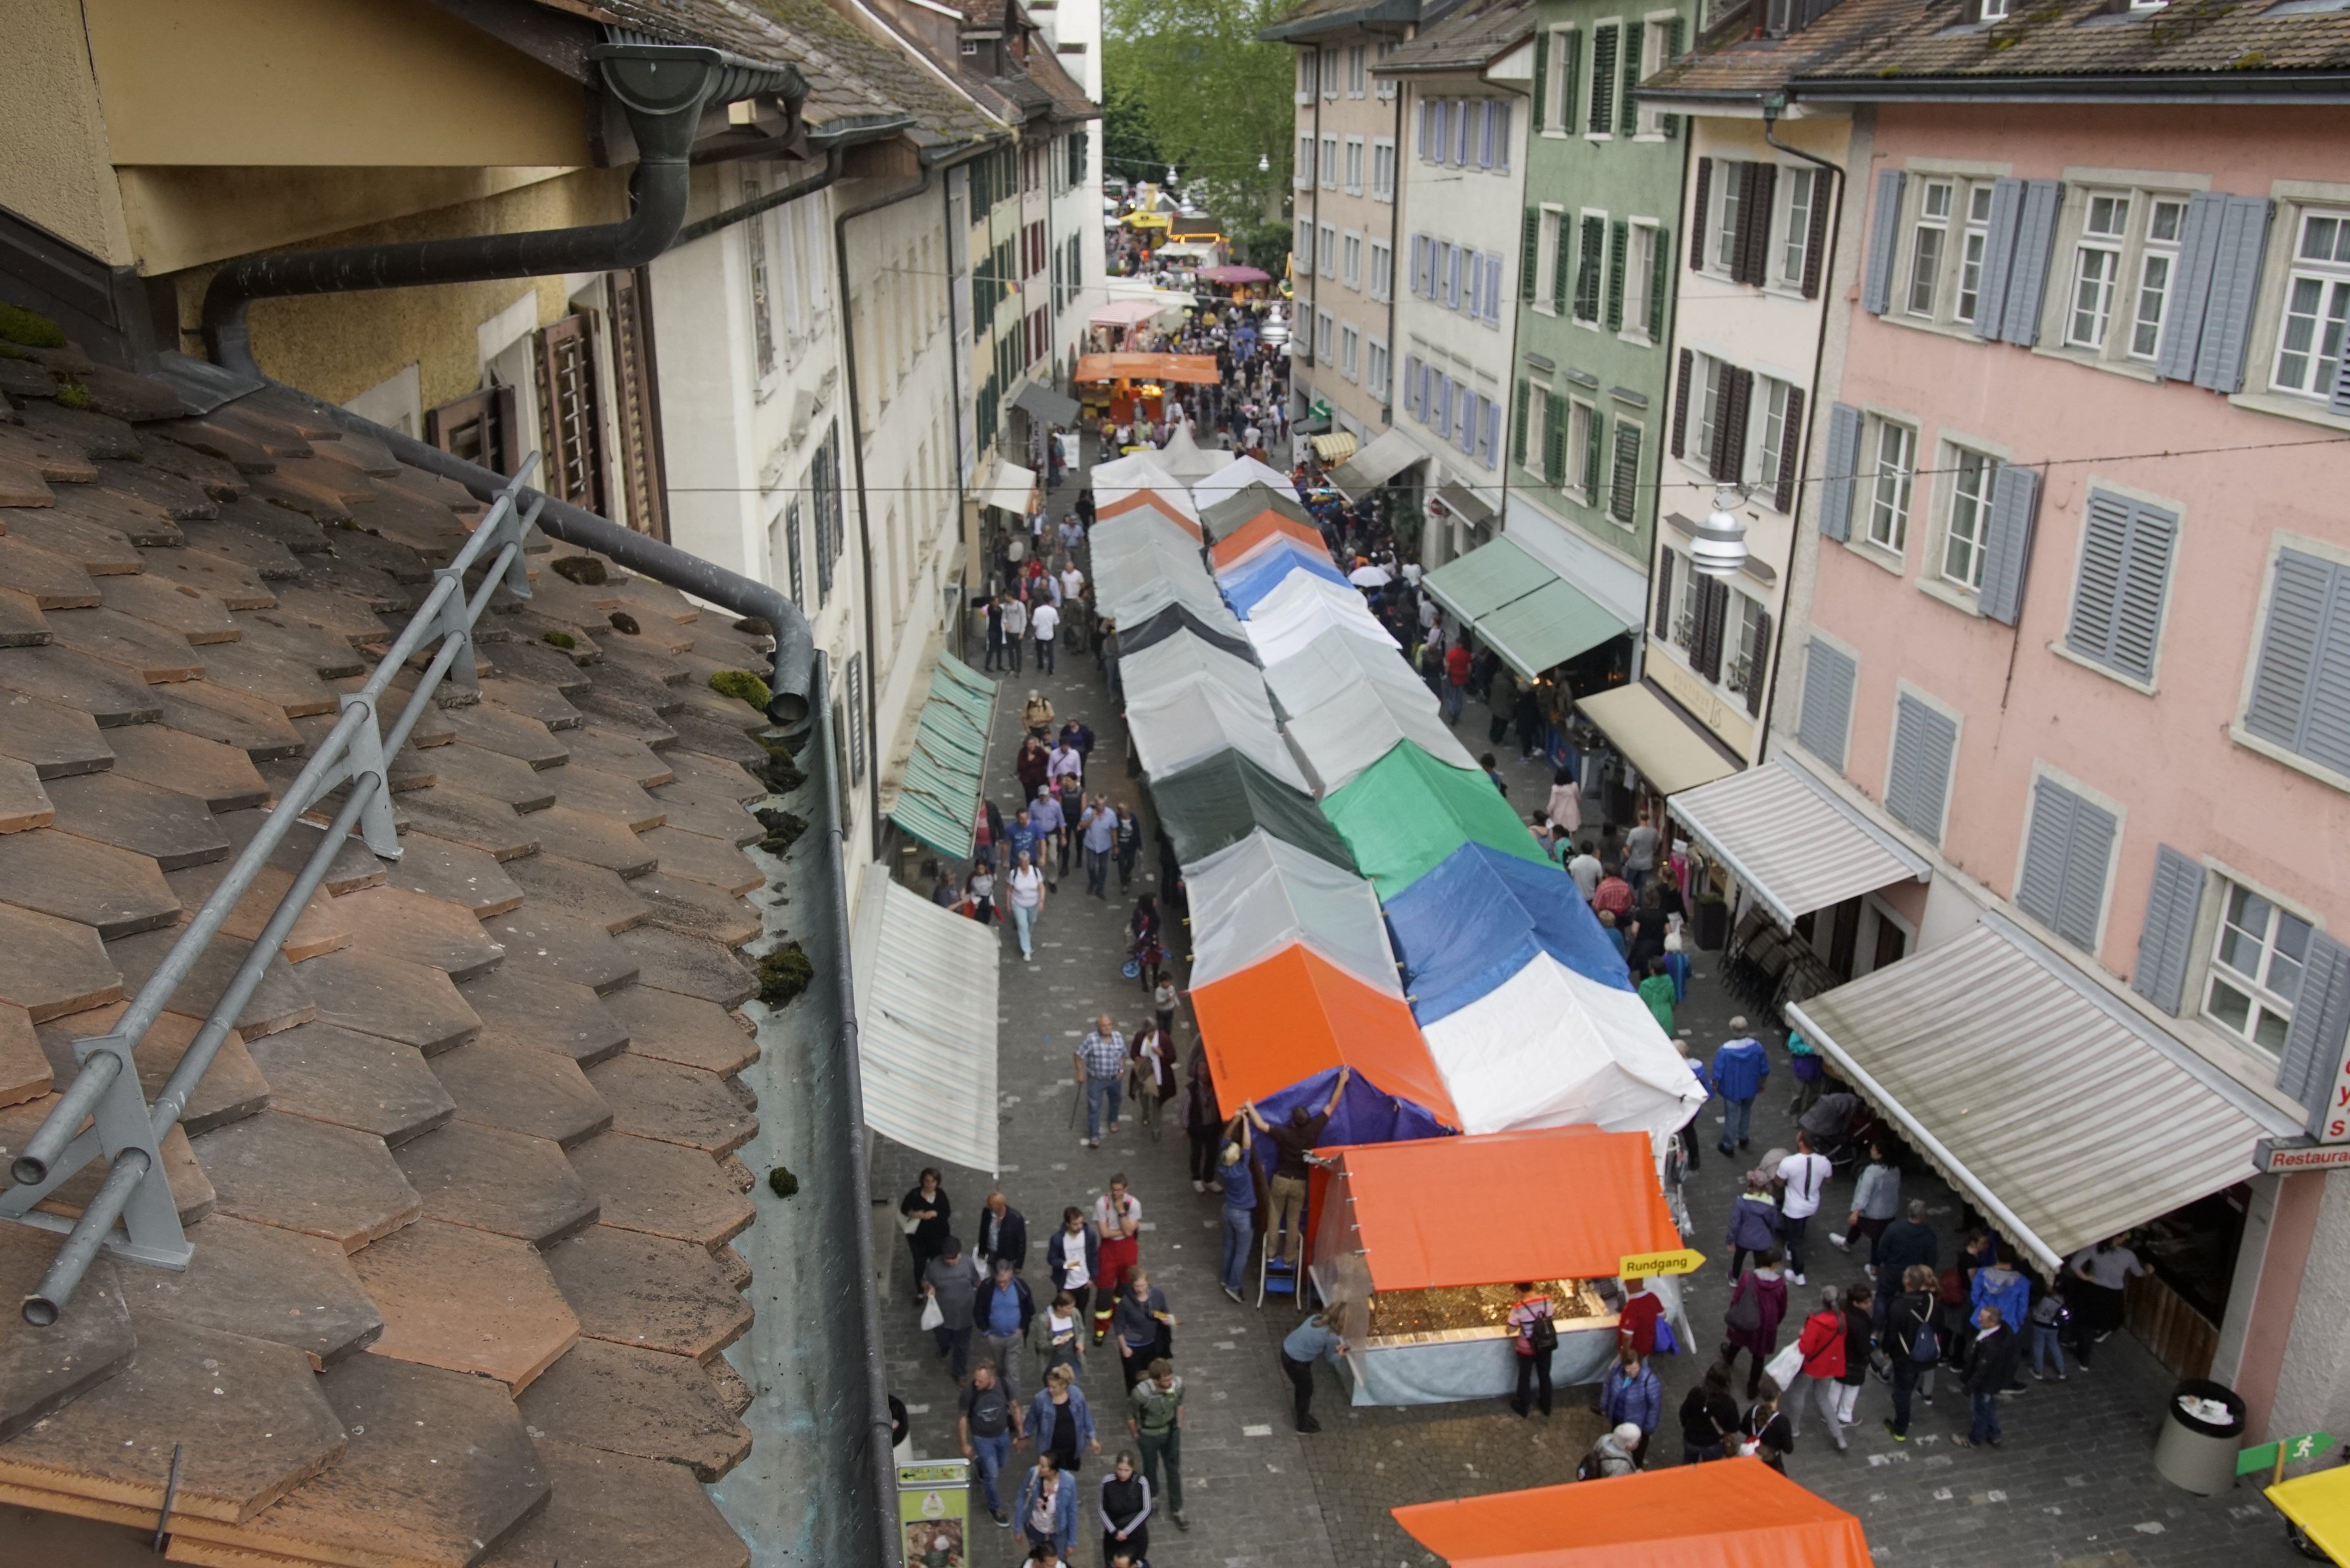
(2230, 46)
(1313, 17)
(461, 1185)
(1468, 39)
(1046, 85)
(821, 37)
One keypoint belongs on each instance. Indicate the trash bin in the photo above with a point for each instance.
(2197, 1453)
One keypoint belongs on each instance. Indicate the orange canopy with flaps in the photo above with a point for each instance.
(1427, 1216)
(1263, 530)
(1736, 1513)
(1295, 1014)
(1199, 369)
(1147, 500)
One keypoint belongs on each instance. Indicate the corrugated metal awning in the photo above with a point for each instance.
(1791, 841)
(925, 1022)
(937, 795)
(2067, 1116)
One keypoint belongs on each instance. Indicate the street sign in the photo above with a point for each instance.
(1637, 1265)
(2278, 1155)
(2290, 1451)
(934, 1511)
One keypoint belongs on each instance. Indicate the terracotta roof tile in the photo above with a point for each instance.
(634, 720)
(23, 1069)
(536, 663)
(277, 1002)
(99, 549)
(393, 997)
(220, 578)
(597, 747)
(318, 929)
(681, 1029)
(623, 1400)
(508, 733)
(636, 1289)
(191, 1189)
(41, 1372)
(172, 830)
(281, 1169)
(608, 796)
(454, 872)
(673, 1104)
(715, 776)
(283, 678)
(217, 479)
(54, 674)
(392, 922)
(50, 581)
(699, 733)
(545, 1011)
(708, 813)
(76, 879)
(711, 860)
(91, 435)
(56, 739)
(22, 624)
(689, 965)
(200, 617)
(514, 1087)
(54, 967)
(590, 893)
(464, 1300)
(660, 1188)
(327, 656)
(363, 1081)
(614, 1511)
(254, 725)
(222, 777)
(231, 1089)
(509, 1183)
(24, 803)
(694, 908)
(267, 1282)
(533, 699)
(551, 943)
(476, 821)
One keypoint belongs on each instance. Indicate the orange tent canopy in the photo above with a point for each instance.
(1154, 502)
(1196, 369)
(1295, 1014)
(1426, 1213)
(1261, 530)
(1735, 1513)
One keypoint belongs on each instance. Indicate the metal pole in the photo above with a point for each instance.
(74, 1258)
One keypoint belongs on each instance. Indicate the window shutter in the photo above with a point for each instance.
(2311, 1058)
(1489, 445)
(1681, 402)
(2301, 685)
(1562, 267)
(2166, 942)
(1541, 77)
(1664, 595)
(1741, 238)
(2235, 289)
(2062, 883)
(1836, 483)
(1627, 107)
(1877, 280)
(1755, 213)
(1411, 383)
(1698, 217)
(1661, 281)
(1473, 266)
(1733, 446)
(1705, 648)
(1619, 243)
(1829, 676)
(2007, 548)
(1593, 430)
(1918, 780)
(2124, 574)
(1500, 120)
(1816, 240)
(1493, 287)
(1756, 672)
(1528, 254)
(2027, 283)
(1587, 281)
(1603, 79)
(1998, 257)
(2339, 402)
(1790, 448)
(1555, 443)
(1570, 76)
(1624, 497)
(638, 406)
(2191, 286)
(569, 420)
(1518, 424)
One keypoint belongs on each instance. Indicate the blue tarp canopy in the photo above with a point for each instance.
(1366, 1113)
(1269, 571)
(1480, 917)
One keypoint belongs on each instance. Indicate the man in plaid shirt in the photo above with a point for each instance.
(1100, 1059)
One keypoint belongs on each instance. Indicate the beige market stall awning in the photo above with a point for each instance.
(1390, 453)
(925, 983)
(1010, 487)
(1665, 748)
(1791, 841)
(1335, 447)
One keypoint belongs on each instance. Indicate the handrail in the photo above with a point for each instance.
(354, 757)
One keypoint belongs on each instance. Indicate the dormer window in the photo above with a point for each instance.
(1995, 10)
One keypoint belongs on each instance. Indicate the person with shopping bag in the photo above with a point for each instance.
(1813, 1366)
(1751, 1322)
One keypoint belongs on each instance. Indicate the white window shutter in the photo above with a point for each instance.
(1918, 780)
(2007, 552)
(1999, 256)
(1837, 483)
(1829, 676)
(2235, 289)
(1411, 383)
(2182, 323)
(2312, 1057)
(2027, 283)
(2166, 942)
(1876, 285)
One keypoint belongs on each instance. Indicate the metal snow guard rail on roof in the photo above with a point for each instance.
(124, 1128)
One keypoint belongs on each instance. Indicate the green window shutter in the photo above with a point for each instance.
(1603, 79)
(1661, 281)
(1518, 424)
(1593, 430)
(1562, 271)
(1628, 111)
(1625, 488)
(1553, 442)
(1619, 243)
(1527, 254)
(1671, 124)
(1587, 286)
(1542, 76)
(1570, 77)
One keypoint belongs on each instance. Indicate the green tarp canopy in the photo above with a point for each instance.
(1215, 804)
(1486, 578)
(1246, 506)
(938, 799)
(1405, 813)
(1547, 628)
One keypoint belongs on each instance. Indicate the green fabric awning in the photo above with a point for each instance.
(1486, 578)
(1405, 813)
(1547, 628)
(1244, 506)
(938, 797)
(1215, 804)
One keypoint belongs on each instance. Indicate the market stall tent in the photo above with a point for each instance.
(1168, 504)
(1229, 513)
(1335, 660)
(1241, 472)
(1243, 589)
(1259, 532)
(1735, 1513)
(1194, 369)
(1217, 803)
(1255, 898)
(1296, 1014)
(1186, 724)
(1404, 814)
(1301, 609)
(1481, 915)
(1344, 735)
(1138, 600)
(1181, 657)
(1135, 633)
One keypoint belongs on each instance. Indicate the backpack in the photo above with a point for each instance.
(1925, 1346)
(1542, 1335)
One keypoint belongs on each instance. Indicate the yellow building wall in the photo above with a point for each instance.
(54, 170)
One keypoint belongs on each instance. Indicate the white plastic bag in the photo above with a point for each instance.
(932, 1317)
(1785, 1366)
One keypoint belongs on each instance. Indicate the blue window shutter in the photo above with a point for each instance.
(2007, 552)
(1411, 383)
(1917, 779)
(2125, 552)
(2027, 283)
(1836, 483)
(2145, 583)
(2166, 942)
(2066, 855)
(2199, 248)
(1998, 257)
(2235, 289)
(2312, 1057)
(2301, 687)
(1829, 676)
(2105, 523)
(2039, 883)
(2339, 403)
(1877, 286)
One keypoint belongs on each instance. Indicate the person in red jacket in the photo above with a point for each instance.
(1635, 1326)
(1823, 1342)
(1456, 680)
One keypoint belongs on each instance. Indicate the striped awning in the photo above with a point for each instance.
(937, 797)
(926, 984)
(1791, 841)
(1335, 447)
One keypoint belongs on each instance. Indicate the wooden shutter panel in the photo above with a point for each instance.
(1705, 647)
(1730, 425)
(1884, 236)
(2166, 942)
(1529, 252)
(2338, 402)
(2104, 541)
(1587, 281)
(2311, 1058)
(2191, 286)
(1603, 79)
(1555, 443)
(1664, 595)
(2007, 548)
(2039, 883)
(570, 420)
(1681, 402)
(1754, 216)
(1698, 210)
(1816, 240)
(1518, 424)
(1918, 780)
(1837, 483)
(1671, 124)
(1562, 266)
(2235, 289)
(1660, 282)
(638, 399)
(1741, 238)
(1570, 77)
(1619, 244)
(2144, 581)
(1759, 668)
(1829, 676)
(1594, 428)
(1627, 107)
(1542, 76)
(1791, 451)
(1624, 496)
(2027, 283)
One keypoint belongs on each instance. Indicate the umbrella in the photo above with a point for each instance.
(1234, 274)
(1369, 576)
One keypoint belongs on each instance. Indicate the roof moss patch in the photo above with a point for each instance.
(30, 327)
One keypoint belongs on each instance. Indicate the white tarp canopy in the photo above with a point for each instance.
(1301, 609)
(1241, 472)
(1187, 459)
(925, 981)
(1139, 603)
(1333, 662)
(1338, 739)
(1549, 1048)
(1253, 898)
(1192, 721)
(1132, 547)
(1184, 656)
(1010, 487)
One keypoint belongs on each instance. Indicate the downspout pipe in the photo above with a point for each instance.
(661, 87)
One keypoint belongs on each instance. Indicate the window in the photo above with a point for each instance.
(1749, 626)
(1967, 525)
(1624, 481)
(1582, 423)
(1892, 471)
(1350, 249)
(1796, 220)
(1349, 352)
(1600, 120)
(1384, 87)
(2096, 262)
(1640, 276)
(1329, 162)
(1305, 76)
(1971, 252)
(1328, 250)
(2067, 854)
(1556, 86)
(2256, 964)
(1325, 333)
(1357, 71)
(1382, 270)
(1463, 137)
(1776, 439)
(2125, 549)
(2301, 682)
(1329, 73)
(1375, 381)
(1302, 176)
(1305, 246)
(1928, 240)
(2158, 264)
(1708, 379)
(1590, 260)
(1995, 10)
(1303, 340)
(1660, 41)
(856, 725)
(1448, 268)
(1918, 771)
(1550, 285)
(1722, 232)
(2316, 304)
(1354, 163)
(1492, 314)
(1383, 170)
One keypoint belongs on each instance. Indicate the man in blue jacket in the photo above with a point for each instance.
(1003, 1309)
(1739, 1069)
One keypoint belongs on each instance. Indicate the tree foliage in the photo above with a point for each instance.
(1129, 151)
(1214, 99)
